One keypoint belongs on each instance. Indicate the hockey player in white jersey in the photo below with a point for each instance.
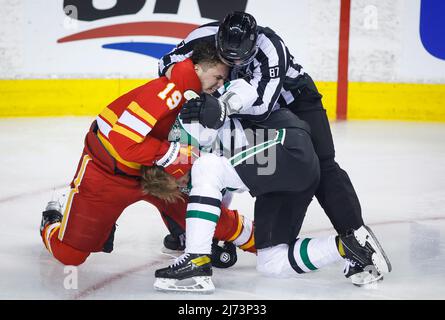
(283, 192)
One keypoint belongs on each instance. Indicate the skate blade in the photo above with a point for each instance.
(203, 285)
(370, 275)
(379, 258)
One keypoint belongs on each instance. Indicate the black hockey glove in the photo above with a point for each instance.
(225, 256)
(206, 109)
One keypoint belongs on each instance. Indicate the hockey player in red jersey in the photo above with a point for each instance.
(129, 133)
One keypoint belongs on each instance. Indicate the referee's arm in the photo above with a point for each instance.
(268, 78)
(185, 48)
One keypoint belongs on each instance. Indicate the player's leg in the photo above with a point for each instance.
(51, 222)
(282, 254)
(236, 228)
(64, 253)
(231, 227)
(203, 212)
(94, 204)
(49, 230)
(302, 255)
(335, 193)
(204, 203)
(278, 220)
(232, 230)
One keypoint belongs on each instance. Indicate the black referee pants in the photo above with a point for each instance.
(335, 192)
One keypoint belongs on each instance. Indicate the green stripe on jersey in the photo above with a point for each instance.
(305, 256)
(202, 215)
(244, 155)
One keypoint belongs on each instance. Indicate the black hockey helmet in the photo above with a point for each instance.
(236, 39)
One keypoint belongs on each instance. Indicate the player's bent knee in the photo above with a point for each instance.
(68, 255)
(273, 261)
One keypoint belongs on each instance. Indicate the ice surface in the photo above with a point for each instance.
(397, 168)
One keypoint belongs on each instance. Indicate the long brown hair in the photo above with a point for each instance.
(157, 182)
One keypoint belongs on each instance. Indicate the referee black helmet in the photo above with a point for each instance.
(236, 39)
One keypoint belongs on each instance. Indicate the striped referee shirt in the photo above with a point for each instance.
(273, 72)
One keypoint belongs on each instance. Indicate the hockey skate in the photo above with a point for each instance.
(360, 276)
(189, 273)
(222, 256)
(366, 262)
(52, 214)
(174, 244)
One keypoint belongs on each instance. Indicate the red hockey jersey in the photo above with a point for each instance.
(134, 128)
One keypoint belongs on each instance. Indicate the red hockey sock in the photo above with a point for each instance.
(235, 228)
